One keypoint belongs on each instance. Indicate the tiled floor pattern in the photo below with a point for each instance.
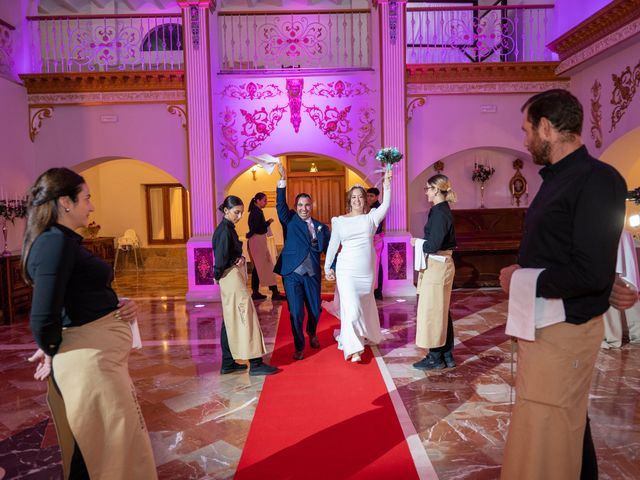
(199, 420)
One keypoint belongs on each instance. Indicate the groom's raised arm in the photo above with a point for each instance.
(284, 214)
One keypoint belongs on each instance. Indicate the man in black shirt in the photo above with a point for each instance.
(373, 194)
(571, 233)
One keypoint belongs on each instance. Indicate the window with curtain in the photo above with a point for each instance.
(167, 214)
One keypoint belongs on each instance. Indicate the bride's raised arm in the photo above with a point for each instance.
(381, 212)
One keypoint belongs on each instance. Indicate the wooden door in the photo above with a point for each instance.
(327, 192)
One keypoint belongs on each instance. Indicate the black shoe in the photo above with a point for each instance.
(448, 360)
(263, 369)
(430, 362)
(377, 294)
(258, 296)
(234, 367)
(277, 296)
(314, 342)
(298, 355)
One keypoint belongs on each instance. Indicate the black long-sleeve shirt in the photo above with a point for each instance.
(71, 286)
(439, 232)
(227, 247)
(572, 229)
(257, 224)
(380, 228)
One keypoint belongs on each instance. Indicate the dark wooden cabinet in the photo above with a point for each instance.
(15, 294)
(102, 247)
(488, 240)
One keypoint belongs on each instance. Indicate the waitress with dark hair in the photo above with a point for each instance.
(240, 336)
(84, 338)
(259, 251)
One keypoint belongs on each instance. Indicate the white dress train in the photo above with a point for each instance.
(355, 275)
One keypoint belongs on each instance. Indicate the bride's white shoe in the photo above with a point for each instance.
(355, 358)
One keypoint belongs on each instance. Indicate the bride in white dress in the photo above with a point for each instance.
(359, 322)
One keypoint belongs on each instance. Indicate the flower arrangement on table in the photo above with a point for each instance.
(481, 173)
(92, 230)
(388, 156)
(634, 196)
(12, 209)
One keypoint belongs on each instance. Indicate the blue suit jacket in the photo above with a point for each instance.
(297, 244)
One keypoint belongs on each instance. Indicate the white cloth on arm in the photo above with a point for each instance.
(420, 258)
(527, 311)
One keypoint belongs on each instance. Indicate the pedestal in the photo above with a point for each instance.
(200, 270)
(397, 265)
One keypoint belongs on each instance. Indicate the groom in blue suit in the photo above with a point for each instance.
(299, 263)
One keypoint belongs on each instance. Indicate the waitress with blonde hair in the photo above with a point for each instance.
(84, 338)
(434, 326)
(240, 335)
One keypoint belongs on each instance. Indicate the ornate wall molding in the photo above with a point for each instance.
(474, 88)
(596, 114)
(413, 104)
(180, 111)
(36, 116)
(103, 81)
(599, 25)
(483, 72)
(625, 87)
(96, 98)
(599, 46)
(6, 49)
(339, 89)
(251, 91)
(366, 136)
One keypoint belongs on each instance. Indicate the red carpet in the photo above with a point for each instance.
(324, 418)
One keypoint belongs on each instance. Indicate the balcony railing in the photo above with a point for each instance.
(250, 41)
(515, 33)
(106, 43)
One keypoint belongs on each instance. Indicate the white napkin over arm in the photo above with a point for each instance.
(527, 311)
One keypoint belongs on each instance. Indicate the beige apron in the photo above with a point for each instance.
(240, 317)
(261, 259)
(95, 402)
(434, 288)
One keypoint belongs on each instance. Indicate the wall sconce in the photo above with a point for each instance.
(313, 168)
(254, 169)
(634, 221)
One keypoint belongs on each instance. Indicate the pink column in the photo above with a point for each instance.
(392, 45)
(397, 255)
(195, 14)
(198, 83)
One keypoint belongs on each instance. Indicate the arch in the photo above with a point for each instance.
(624, 154)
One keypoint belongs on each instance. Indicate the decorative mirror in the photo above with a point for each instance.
(518, 185)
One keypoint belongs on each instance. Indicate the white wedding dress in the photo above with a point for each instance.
(355, 274)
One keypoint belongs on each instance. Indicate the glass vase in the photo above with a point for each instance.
(481, 194)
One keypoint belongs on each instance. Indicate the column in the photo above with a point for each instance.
(397, 256)
(195, 14)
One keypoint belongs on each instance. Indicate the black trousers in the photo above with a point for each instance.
(378, 288)
(589, 469)
(255, 281)
(448, 346)
(227, 358)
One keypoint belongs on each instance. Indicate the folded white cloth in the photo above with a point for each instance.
(420, 258)
(627, 263)
(528, 312)
(135, 334)
(266, 161)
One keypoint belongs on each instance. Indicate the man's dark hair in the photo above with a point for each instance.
(374, 190)
(302, 195)
(560, 107)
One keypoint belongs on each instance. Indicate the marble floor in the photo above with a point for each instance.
(199, 420)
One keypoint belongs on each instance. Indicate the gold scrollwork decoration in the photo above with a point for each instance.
(518, 184)
(413, 104)
(624, 89)
(180, 111)
(35, 121)
(596, 114)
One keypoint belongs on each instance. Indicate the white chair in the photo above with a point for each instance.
(128, 242)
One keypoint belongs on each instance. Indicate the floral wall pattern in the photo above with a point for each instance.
(341, 111)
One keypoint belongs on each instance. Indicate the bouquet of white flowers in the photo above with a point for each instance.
(388, 156)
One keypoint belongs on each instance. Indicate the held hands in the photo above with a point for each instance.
(330, 275)
(505, 276)
(270, 221)
(43, 367)
(240, 261)
(623, 295)
(127, 310)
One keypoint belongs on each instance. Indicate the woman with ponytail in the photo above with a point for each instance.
(434, 326)
(258, 250)
(241, 336)
(84, 338)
